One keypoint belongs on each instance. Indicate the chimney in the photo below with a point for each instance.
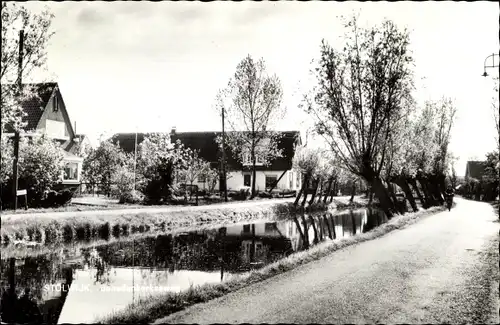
(172, 132)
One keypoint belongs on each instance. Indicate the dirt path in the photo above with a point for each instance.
(443, 269)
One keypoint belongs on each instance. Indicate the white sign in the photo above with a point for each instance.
(21, 192)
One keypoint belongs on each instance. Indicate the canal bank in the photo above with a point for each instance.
(68, 227)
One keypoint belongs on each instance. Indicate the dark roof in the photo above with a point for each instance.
(475, 169)
(34, 107)
(208, 149)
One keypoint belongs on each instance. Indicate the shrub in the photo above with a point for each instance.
(242, 194)
(132, 197)
(264, 195)
(64, 197)
(55, 199)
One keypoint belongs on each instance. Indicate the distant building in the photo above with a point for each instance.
(238, 174)
(475, 169)
(47, 114)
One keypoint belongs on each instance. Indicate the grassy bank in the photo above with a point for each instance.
(66, 228)
(151, 309)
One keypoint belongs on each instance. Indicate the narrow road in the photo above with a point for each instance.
(443, 269)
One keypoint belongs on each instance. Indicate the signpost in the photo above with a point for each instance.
(25, 193)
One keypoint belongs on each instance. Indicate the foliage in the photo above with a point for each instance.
(6, 159)
(102, 165)
(361, 92)
(40, 166)
(492, 166)
(158, 160)
(131, 196)
(36, 37)
(446, 111)
(251, 103)
(306, 160)
(211, 178)
(56, 199)
(241, 194)
(123, 178)
(196, 167)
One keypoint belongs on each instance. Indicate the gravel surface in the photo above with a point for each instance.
(443, 269)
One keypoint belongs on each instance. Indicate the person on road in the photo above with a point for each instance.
(448, 194)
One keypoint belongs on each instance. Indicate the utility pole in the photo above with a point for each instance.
(135, 156)
(16, 131)
(224, 179)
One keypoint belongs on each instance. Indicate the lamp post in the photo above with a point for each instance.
(493, 65)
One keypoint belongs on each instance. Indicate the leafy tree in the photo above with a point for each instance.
(196, 167)
(491, 178)
(102, 164)
(6, 160)
(36, 37)
(40, 166)
(361, 91)
(158, 160)
(211, 177)
(305, 161)
(251, 103)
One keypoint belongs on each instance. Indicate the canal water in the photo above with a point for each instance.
(80, 285)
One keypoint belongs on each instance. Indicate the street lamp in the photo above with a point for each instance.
(485, 74)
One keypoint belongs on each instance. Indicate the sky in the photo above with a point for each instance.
(148, 66)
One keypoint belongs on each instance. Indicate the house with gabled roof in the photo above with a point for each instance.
(475, 169)
(239, 173)
(46, 113)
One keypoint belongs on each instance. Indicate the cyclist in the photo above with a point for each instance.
(449, 196)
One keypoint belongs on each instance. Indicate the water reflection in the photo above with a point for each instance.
(108, 277)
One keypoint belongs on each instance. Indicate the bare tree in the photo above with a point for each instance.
(252, 102)
(361, 90)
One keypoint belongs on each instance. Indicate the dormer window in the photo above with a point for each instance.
(247, 160)
(55, 103)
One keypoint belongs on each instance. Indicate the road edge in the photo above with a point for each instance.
(166, 305)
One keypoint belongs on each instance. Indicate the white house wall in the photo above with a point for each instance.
(235, 180)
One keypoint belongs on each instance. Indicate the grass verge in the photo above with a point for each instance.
(56, 229)
(153, 308)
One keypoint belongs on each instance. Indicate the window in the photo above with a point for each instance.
(71, 172)
(290, 178)
(246, 180)
(201, 179)
(270, 226)
(247, 159)
(298, 180)
(270, 180)
(55, 129)
(246, 228)
(55, 106)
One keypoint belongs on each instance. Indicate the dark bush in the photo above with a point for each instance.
(265, 195)
(50, 199)
(203, 192)
(104, 231)
(64, 197)
(116, 230)
(242, 194)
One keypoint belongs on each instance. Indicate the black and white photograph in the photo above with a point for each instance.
(249, 162)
